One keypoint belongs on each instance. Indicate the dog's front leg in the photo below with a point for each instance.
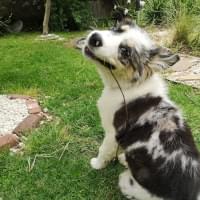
(107, 152)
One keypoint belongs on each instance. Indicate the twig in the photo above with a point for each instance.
(29, 164)
(65, 148)
(32, 164)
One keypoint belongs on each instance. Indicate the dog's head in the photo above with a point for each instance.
(127, 47)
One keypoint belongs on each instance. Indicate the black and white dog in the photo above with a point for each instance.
(159, 151)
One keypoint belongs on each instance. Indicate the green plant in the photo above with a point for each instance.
(166, 12)
(70, 15)
(81, 13)
(155, 11)
(195, 41)
(183, 26)
(190, 7)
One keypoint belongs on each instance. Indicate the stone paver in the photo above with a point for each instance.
(186, 71)
(50, 37)
(33, 107)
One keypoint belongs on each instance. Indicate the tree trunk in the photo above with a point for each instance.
(46, 17)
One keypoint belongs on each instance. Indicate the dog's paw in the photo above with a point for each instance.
(96, 164)
(122, 160)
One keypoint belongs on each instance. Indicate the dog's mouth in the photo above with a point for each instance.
(92, 56)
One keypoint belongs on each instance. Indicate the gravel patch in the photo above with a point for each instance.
(12, 112)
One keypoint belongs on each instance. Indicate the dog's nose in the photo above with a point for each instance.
(95, 40)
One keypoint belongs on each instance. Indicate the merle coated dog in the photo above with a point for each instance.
(159, 151)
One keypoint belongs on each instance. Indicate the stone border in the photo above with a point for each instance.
(32, 121)
(186, 71)
(50, 37)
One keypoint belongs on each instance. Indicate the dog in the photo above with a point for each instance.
(159, 152)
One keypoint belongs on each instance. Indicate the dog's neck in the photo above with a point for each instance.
(125, 78)
(153, 85)
(110, 82)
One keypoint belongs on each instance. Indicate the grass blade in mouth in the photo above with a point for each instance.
(91, 55)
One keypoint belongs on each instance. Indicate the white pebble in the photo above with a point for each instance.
(12, 112)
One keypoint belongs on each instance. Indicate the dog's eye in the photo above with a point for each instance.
(124, 51)
(117, 30)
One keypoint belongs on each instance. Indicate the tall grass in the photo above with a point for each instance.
(181, 15)
(182, 28)
(187, 31)
(165, 12)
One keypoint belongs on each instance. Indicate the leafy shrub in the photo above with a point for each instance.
(165, 12)
(155, 11)
(70, 15)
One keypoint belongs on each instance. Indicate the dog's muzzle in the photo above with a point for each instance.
(93, 42)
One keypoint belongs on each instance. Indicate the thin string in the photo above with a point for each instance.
(125, 105)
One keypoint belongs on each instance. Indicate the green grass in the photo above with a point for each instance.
(69, 87)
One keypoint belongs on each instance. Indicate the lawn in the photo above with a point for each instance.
(69, 86)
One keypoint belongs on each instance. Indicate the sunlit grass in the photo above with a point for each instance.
(69, 87)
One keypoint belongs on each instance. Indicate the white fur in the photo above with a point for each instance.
(109, 102)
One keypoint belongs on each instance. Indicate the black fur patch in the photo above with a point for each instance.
(130, 133)
(135, 109)
(131, 181)
(120, 21)
(168, 182)
(180, 138)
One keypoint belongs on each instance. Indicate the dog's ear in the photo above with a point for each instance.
(162, 58)
(158, 58)
(79, 44)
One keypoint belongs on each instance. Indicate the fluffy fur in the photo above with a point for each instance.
(159, 151)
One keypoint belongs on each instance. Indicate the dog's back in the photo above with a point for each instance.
(160, 150)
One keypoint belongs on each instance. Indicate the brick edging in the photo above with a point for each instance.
(31, 121)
